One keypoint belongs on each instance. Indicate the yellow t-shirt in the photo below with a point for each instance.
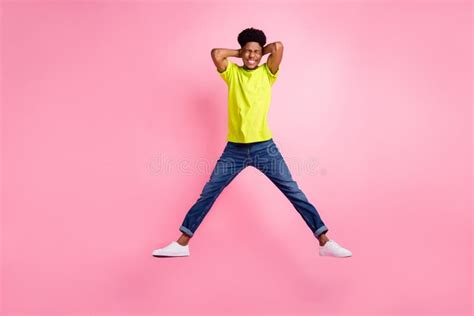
(249, 96)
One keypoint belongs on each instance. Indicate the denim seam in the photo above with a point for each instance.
(320, 230)
(200, 218)
(186, 231)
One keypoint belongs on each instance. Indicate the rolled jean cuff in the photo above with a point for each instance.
(186, 231)
(320, 230)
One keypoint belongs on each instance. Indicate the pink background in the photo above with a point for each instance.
(113, 115)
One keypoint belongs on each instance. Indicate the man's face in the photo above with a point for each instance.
(251, 54)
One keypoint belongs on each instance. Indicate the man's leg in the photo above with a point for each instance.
(269, 160)
(230, 164)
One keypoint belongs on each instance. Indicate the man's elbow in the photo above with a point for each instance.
(278, 45)
(214, 52)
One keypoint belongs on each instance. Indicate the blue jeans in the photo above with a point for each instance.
(264, 156)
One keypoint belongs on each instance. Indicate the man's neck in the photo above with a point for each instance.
(245, 67)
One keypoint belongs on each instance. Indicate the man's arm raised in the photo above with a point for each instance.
(276, 55)
(219, 57)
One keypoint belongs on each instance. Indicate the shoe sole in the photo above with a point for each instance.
(329, 255)
(171, 255)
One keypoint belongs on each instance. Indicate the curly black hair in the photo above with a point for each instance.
(252, 35)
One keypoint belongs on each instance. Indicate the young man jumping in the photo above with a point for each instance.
(249, 141)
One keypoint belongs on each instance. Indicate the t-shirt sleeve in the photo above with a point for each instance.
(228, 72)
(271, 77)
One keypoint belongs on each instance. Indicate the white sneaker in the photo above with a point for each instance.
(172, 250)
(333, 249)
